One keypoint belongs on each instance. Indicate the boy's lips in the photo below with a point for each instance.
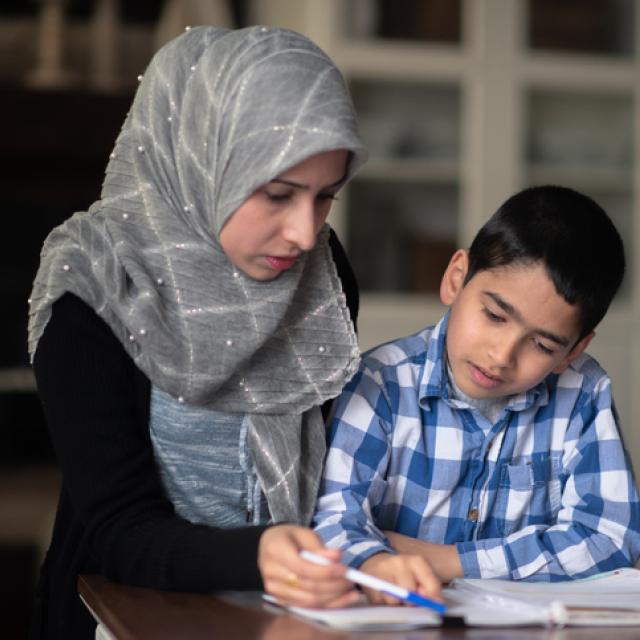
(483, 378)
(281, 264)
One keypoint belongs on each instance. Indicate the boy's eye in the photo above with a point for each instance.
(494, 317)
(542, 347)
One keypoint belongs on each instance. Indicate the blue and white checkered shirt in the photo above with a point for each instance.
(545, 493)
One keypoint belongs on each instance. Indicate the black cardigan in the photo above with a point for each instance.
(113, 516)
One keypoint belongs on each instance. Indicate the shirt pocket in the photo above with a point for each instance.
(528, 492)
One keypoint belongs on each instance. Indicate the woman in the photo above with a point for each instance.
(186, 330)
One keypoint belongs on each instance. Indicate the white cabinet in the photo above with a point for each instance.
(462, 104)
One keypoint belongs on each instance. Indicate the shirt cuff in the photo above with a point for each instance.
(483, 558)
(355, 555)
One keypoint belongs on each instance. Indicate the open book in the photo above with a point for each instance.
(607, 599)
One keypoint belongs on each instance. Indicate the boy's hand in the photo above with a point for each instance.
(442, 558)
(297, 582)
(410, 572)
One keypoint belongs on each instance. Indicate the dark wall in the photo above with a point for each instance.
(53, 152)
(54, 147)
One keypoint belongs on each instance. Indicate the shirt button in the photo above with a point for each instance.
(473, 515)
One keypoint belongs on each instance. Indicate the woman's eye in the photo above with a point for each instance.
(277, 197)
(326, 197)
(492, 316)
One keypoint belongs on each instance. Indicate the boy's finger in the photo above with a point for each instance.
(426, 579)
(404, 574)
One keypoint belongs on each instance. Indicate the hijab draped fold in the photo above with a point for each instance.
(218, 114)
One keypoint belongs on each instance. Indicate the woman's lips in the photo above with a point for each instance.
(483, 378)
(281, 264)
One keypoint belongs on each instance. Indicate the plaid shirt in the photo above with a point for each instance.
(545, 493)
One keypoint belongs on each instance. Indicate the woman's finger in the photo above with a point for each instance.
(291, 540)
(345, 600)
(295, 595)
(325, 588)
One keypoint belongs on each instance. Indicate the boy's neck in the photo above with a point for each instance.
(490, 408)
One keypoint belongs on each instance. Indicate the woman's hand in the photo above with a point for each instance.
(297, 582)
(410, 572)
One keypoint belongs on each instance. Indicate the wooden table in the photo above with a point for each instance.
(133, 613)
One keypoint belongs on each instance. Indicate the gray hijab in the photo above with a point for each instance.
(218, 114)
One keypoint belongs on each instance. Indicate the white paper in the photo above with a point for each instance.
(370, 618)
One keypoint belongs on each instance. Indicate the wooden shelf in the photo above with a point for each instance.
(403, 170)
(397, 60)
(584, 72)
(583, 177)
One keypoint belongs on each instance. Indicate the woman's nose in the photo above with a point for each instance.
(300, 227)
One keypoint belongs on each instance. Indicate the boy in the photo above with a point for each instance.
(488, 444)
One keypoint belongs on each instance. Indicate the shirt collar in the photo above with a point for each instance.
(434, 382)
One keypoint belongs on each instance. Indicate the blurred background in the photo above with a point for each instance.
(462, 103)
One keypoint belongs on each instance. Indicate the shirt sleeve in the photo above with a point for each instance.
(597, 527)
(354, 478)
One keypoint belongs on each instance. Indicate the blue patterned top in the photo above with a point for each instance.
(205, 464)
(544, 493)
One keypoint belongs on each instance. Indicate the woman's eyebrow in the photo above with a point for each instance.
(299, 185)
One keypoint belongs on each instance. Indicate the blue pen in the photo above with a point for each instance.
(377, 584)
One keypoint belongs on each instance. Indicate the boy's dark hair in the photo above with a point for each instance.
(569, 233)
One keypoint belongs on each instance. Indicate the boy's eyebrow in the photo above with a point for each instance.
(514, 313)
(299, 185)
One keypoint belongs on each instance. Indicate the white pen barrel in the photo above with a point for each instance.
(376, 583)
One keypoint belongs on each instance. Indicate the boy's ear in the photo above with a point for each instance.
(574, 353)
(453, 279)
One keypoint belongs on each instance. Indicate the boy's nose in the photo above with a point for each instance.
(503, 352)
(300, 228)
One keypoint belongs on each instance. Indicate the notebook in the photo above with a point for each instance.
(365, 617)
(607, 599)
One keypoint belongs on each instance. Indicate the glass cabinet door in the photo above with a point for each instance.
(599, 27)
(583, 136)
(412, 20)
(584, 140)
(403, 209)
